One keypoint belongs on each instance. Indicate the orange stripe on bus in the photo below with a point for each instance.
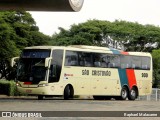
(131, 77)
(125, 53)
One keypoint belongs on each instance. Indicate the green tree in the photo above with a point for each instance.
(136, 37)
(7, 47)
(156, 67)
(131, 36)
(17, 30)
(85, 33)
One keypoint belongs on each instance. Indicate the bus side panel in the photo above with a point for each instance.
(78, 77)
(50, 89)
(107, 85)
(144, 81)
(89, 81)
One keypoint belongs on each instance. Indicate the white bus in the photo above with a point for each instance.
(79, 70)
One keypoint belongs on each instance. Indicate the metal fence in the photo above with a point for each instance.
(155, 95)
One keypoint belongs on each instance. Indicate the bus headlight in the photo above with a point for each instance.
(18, 84)
(43, 85)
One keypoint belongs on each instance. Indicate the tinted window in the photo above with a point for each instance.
(99, 60)
(34, 53)
(136, 62)
(114, 61)
(71, 58)
(56, 66)
(146, 63)
(126, 61)
(105, 60)
(87, 59)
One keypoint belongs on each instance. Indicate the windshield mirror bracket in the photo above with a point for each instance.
(47, 62)
(14, 60)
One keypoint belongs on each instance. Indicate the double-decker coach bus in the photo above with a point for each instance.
(84, 70)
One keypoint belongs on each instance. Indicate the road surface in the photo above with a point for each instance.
(58, 104)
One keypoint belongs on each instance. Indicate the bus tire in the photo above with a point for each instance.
(124, 94)
(40, 97)
(133, 93)
(68, 92)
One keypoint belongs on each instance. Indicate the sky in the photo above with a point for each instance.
(141, 11)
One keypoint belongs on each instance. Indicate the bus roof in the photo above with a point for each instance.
(91, 49)
(71, 47)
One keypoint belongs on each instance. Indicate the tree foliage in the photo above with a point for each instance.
(156, 66)
(133, 36)
(17, 30)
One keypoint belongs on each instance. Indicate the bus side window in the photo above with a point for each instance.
(122, 66)
(71, 58)
(136, 62)
(97, 64)
(111, 65)
(97, 60)
(133, 66)
(125, 66)
(114, 61)
(81, 63)
(87, 64)
(87, 61)
(103, 64)
(67, 61)
(126, 61)
(144, 67)
(146, 63)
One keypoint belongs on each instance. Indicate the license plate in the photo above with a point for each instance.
(28, 91)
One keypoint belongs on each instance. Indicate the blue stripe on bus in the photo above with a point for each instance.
(122, 72)
(123, 77)
(115, 51)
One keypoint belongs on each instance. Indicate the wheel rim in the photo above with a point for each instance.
(69, 92)
(124, 94)
(133, 93)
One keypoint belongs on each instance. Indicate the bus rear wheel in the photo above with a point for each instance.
(124, 94)
(133, 94)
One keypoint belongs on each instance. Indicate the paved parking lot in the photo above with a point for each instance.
(58, 104)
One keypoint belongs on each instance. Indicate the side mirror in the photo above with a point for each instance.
(47, 62)
(14, 60)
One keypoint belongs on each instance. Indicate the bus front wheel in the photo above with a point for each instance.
(68, 92)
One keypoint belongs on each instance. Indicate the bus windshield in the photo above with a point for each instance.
(31, 67)
(31, 70)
